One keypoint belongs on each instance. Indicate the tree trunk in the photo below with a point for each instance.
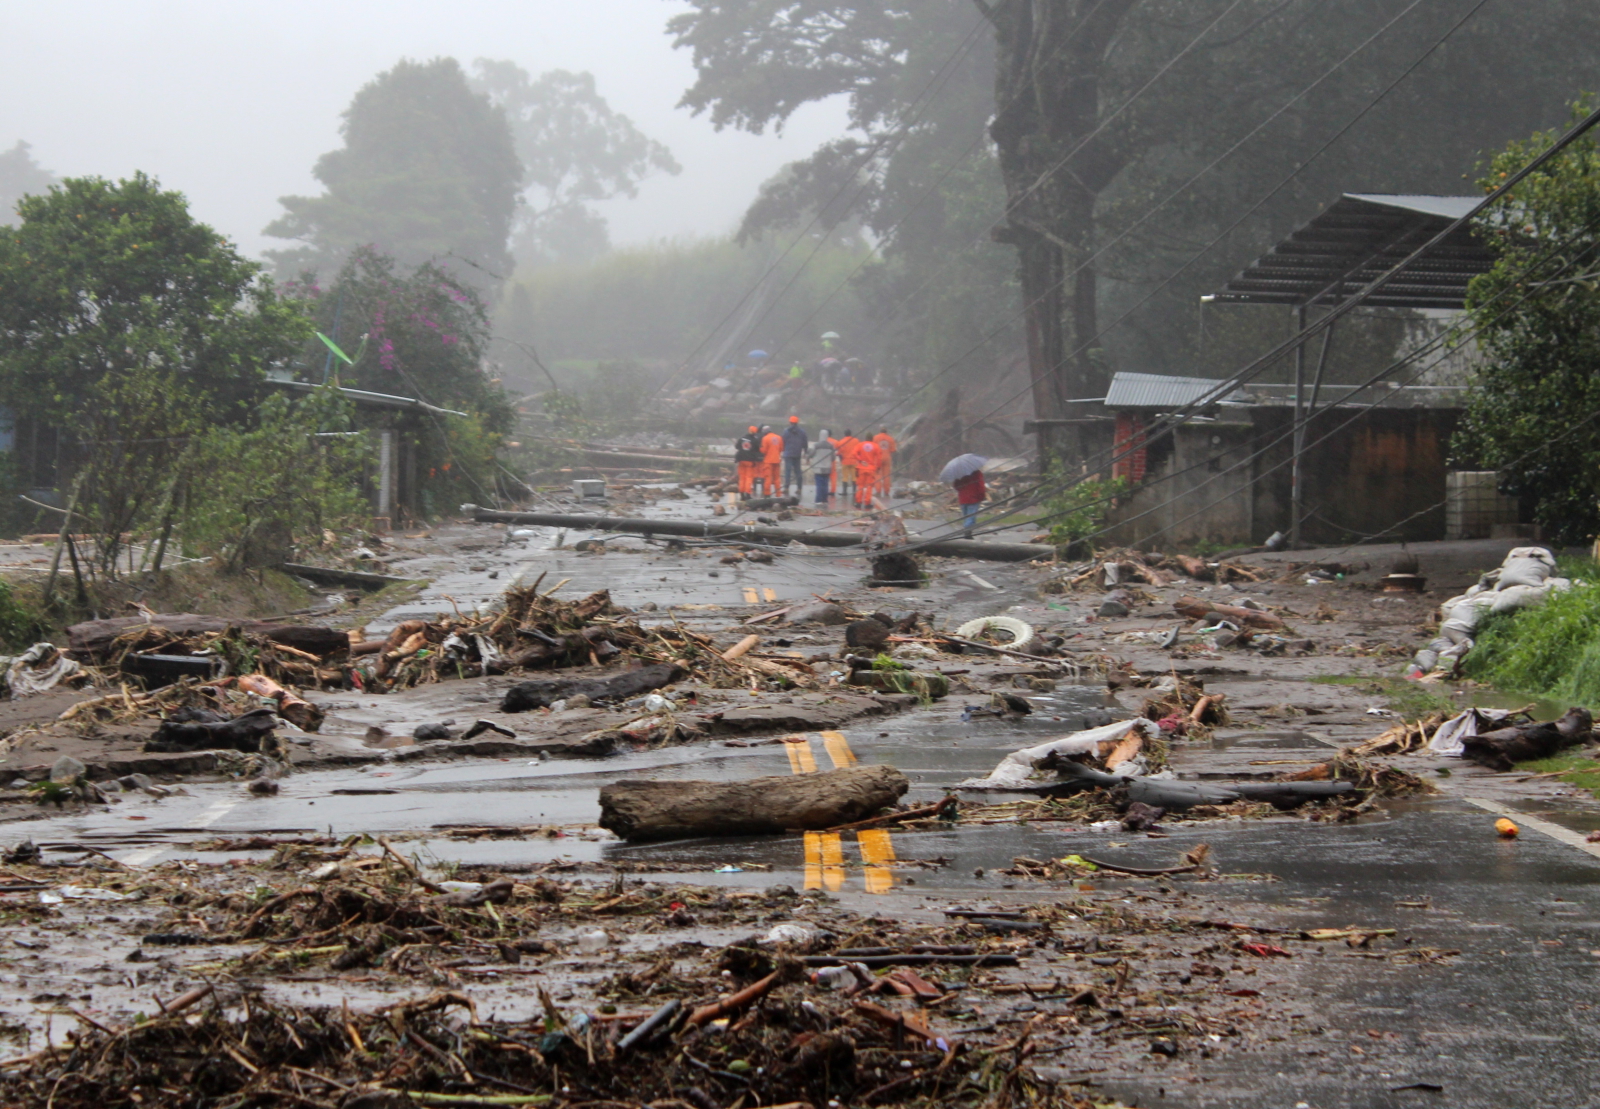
(1051, 54)
(640, 810)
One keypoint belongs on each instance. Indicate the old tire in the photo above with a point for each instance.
(1020, 632)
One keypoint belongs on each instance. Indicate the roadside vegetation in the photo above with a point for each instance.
(1552, 651)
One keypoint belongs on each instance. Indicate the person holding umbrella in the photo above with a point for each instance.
(965, 473)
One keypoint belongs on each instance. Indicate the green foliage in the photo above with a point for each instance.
(20, 625)
(427, 172)
(1080, 510)
(1549, 651)
(574, 150)
(255, 490)
(101, 279)
(1579, 770)
(425, 332)
(1532, 413)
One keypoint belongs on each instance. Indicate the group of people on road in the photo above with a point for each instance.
(854, 469)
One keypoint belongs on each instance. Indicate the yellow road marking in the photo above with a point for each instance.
(751, 596)
(832, 861)
(770, 593)
(838, 749)
(877, 852)
(801, 758)
(813, 861)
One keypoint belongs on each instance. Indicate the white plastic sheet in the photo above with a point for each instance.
(1447, 737)
(1016, 768)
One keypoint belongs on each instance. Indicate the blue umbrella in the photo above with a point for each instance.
(960, 466)
(758, 354)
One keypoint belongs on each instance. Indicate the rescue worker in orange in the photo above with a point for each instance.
(846, 446)
(772, 461)
(867, 455)
(746, 456)
(886, 448)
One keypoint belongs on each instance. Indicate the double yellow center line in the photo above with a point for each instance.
(824, 851)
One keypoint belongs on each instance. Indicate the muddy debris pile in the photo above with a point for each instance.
(1497, 739)
(1125, 567)
(816, 1004)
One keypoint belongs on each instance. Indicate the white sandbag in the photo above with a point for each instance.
(1447, 738)
(1513, 597)
(1016, 768)
(1526, 566)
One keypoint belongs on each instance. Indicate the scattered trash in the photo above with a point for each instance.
(40, 668)
(1506, 829)
(1018, 634)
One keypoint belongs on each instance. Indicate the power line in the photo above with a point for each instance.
(1227, 231)
(873, 150)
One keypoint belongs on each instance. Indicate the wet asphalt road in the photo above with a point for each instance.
(1507, 1023)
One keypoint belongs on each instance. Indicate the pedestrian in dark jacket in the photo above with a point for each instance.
(795, 443)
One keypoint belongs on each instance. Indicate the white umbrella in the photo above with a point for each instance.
(830, 334)
(960, 466)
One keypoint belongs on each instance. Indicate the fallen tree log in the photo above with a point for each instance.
(630, 683)
(95, 637)
(953, 548)
(640, 810)
(1502, 748)
(1196, 609)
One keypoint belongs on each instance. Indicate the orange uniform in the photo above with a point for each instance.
(845, 471)
(772, 462)
(867, 455)
(886, 448)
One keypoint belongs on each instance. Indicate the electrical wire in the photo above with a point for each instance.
(1221, 236)
(873, 150)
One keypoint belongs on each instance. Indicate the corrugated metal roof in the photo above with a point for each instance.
(1157, 390)
(1359, 237)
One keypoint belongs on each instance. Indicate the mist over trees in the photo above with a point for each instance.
(20, 176)
(1082, 133)
(428, 173)
(575, 150)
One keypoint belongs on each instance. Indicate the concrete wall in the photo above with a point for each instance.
(1203, 486)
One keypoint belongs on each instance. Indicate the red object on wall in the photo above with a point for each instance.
(1129, 448)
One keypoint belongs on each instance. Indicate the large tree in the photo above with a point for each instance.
(20, 176)
(102, 279)
(427, 173)
(1534, 413)
(915, 167)
(1106, 108)
(575, 150)
(131, 328)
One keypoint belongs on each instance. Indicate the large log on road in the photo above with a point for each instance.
(619, 687)
(640, 810)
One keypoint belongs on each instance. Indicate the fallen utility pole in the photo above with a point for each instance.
(952, 548)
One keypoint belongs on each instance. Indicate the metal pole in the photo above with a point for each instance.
(1296, 474)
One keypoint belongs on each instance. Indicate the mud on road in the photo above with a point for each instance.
(1192, 1001)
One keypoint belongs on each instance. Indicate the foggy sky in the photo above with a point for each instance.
(231, 102)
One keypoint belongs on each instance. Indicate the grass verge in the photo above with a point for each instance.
(1580, 771)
